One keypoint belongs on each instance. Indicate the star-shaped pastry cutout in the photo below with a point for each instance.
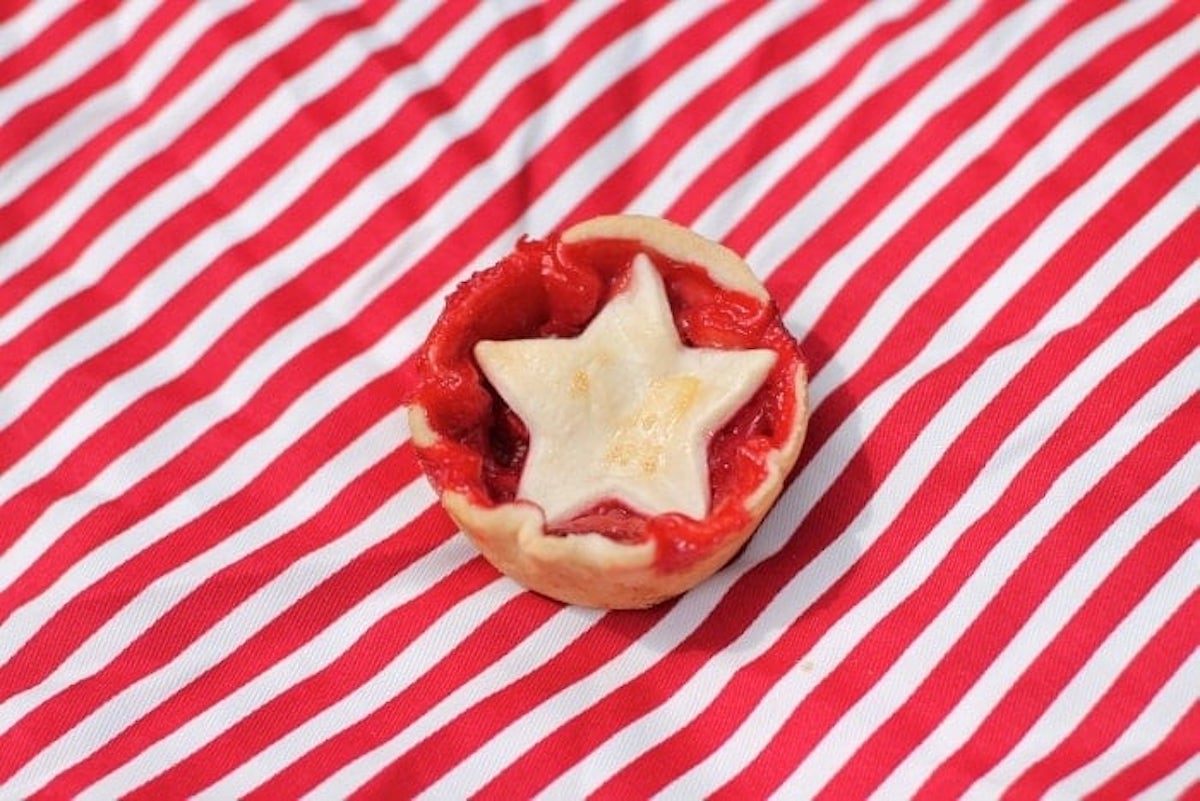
(624, 411)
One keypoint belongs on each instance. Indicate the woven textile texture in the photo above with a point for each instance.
(226, 227)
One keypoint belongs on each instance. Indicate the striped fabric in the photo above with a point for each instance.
(225, 228)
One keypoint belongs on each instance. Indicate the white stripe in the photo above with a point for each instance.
(811, 582)
(221, 158)
(157, 449)
(81, 54)
(422, 319)
(317, 654)
(503, 748)
(635, 130)
(544, 215)
(1099, 281)
(873, 708)
(124, 96)
(341, 718)
(85, 417)
(832, 192)
(269, 602)
(30, 22)
(749, 106)
(1066, 312)
(248, 461)
(549, 639)
(1105, 666)
(523, 726)
(873, 409)
(452, 705)
(1175, 784)
(836, 189)
(509, 744)
(211, 323)
(160, 132)
(128, 543)
(86, 119)
(166, 591)
(153, 136)
(639, 736)
(127, 467)
(94, 571)
(955, 239)
(1169, 705)
(55, 447)
(413, 662)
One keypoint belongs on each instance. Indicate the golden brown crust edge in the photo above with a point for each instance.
(592, 569)
(675, 242)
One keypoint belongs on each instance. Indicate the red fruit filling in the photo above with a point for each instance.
(547, 288)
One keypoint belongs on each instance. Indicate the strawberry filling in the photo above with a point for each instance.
(546, 288)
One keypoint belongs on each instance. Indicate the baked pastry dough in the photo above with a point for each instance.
(609, 413)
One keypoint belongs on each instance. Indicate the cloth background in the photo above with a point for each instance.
(225, 228)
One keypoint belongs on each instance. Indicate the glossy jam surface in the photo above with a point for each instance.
(550, 289)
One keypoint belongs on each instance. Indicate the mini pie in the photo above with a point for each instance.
(609, 413)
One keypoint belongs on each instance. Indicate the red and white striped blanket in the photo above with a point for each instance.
(225, 227)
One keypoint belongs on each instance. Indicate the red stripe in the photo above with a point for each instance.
(661, 764)
(48, 41)
(987, 252)
(141, 418)
(417, 769)
(461, 245)
(199, 138)
(268, 392)
(423, 762)
(1155, 663)
(216, 441)
(840, 505)
(356, 669)
(12, 9)
(279, 638)
(87, 611)
(626, 180)
(26, 208)
(1180, 745)
(647, 774)
(505, 630)
(934, 137)
(950, 479)
(236, 343)
(569, 747)
(37, 117)
(984, 637)
(1046, 677)
(769, 133)
(1036, 689)
(181, 226)
(308, 697)
(869, 116)
(622, 185)
(274, 392)
(184, 623)
(31, 120)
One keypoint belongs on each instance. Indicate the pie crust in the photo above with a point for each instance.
(602, 568)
